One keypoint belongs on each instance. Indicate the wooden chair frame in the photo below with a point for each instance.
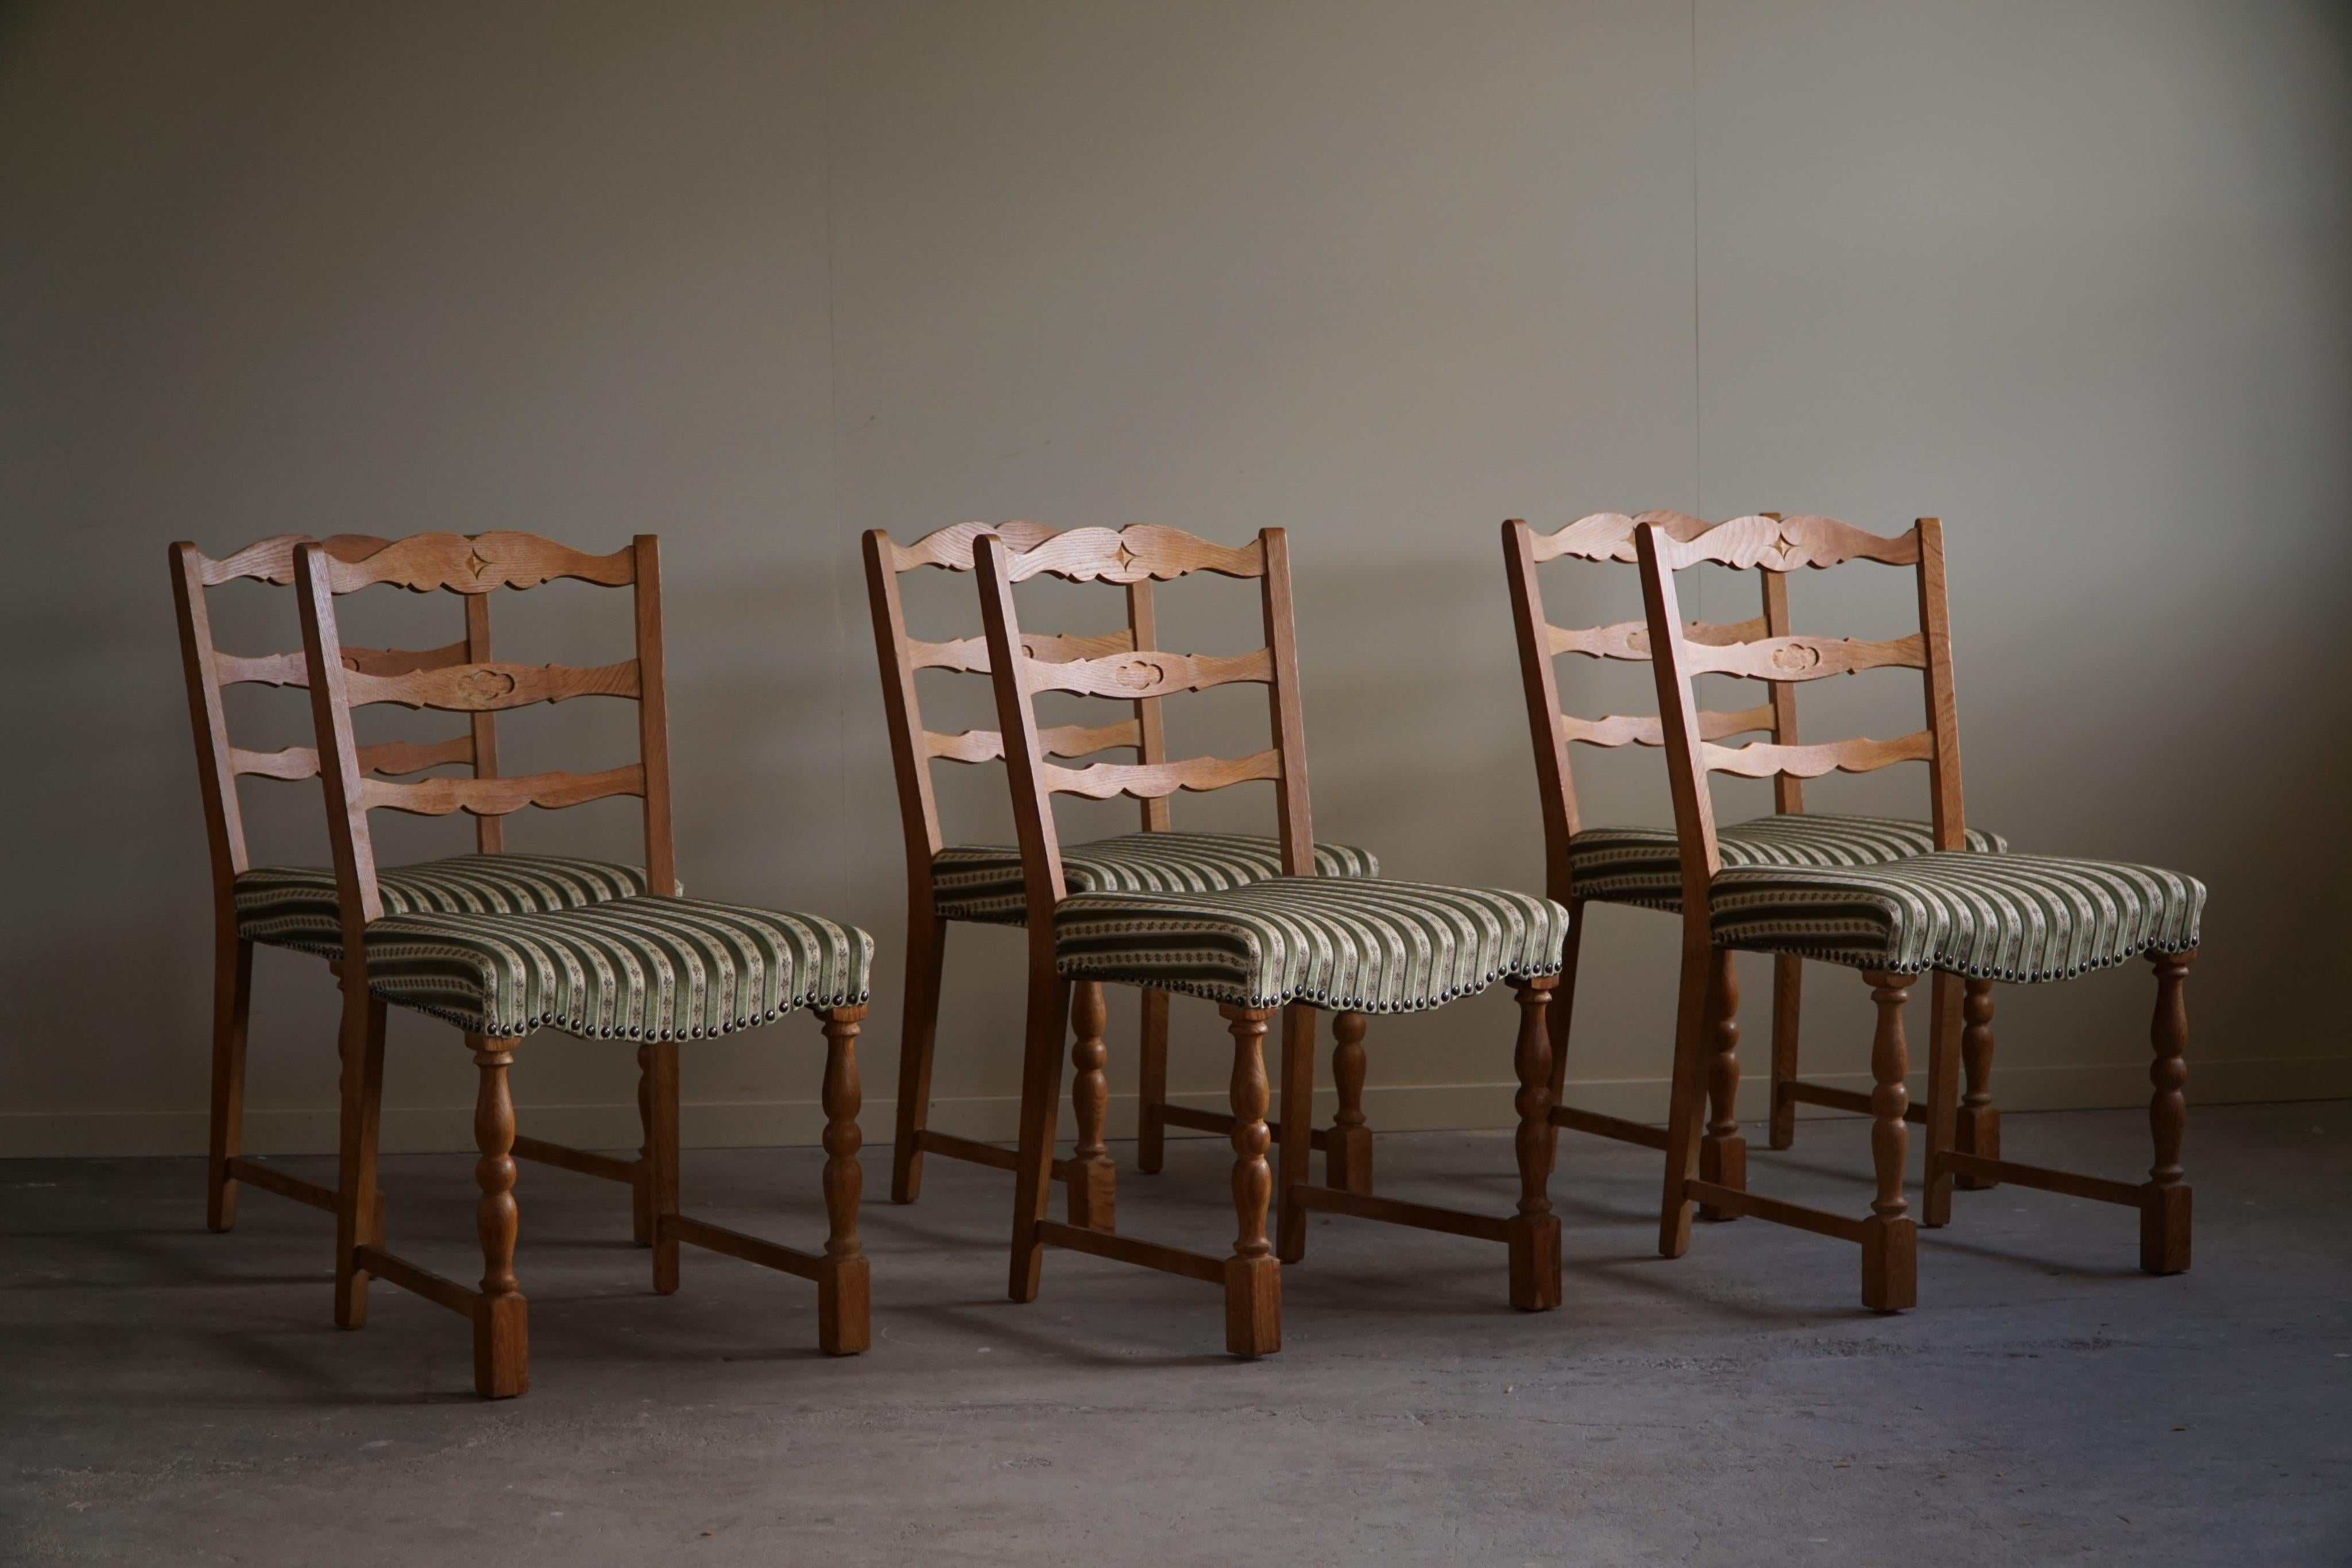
(1251, 1276)
(1090, 1179)
(1704, 1034)
(1605, 537)
(219, 765)
(473, 684)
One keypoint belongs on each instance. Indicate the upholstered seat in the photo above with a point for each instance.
(1347, 943)
(295, 906)
(1997, 917)
(982, 882)
(1642, 866)
(632, 968)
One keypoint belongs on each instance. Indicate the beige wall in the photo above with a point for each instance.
(760, 278)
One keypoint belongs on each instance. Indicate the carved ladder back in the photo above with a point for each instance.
(1777, 545)
(1606, 537)
(914, 749)
(209, 671)
(1137, 555)
(479, 686)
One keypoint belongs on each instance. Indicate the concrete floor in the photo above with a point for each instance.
(173, 1396)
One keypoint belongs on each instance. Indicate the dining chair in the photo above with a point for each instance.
(656, 968)
(1962, 916)
(1640, 867)
(1292, 944)
(981, 883)
(295, 908)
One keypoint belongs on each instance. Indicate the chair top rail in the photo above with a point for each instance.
(272, 560)
(1609, 536)
(950, 549)
(1787, 544)
(1137, 553)
(480, 563)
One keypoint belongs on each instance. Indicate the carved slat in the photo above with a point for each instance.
(1151, 675)
(272, 560)
(1152, 781)
(1609, 536)
(401, 661)
(951, 547)
(1808, 658)
(498, 797)
(970, 746)
(297, 762)
(292, 763)
(423, 563)
(1062, 648)
(262, 669)
(1631, 639)
(1060, 740)
(1134, 553)
(397, 757)
(1622, 729)
(1785, 544)
(488, 688)
(1760, 760)
(970, 655)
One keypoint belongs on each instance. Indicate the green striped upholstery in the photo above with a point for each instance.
(1347, 944)
(982, 882)
(631, 968)
(1644, 865)
(2001, 917)
(295, 906)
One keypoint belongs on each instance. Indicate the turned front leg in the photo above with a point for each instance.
(501, 1340)
(1347, 1146)
(844, 1310)
(1978, 1131)
(2164, 1199)
(1723, 1152)
(1252, 1277)
(1093, 1181)
(1534, 1230)
(1890, 1237)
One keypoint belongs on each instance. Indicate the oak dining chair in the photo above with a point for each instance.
(654, 968)
(983, 884)
(295, 908)
(1292, 944)
(1964, 917)
(1640, 867)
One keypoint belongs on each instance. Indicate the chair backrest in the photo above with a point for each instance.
(472, 684)
(1778, 546)
(208, 671)
(1136, 555)
(913, 748)
(1606, 537)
